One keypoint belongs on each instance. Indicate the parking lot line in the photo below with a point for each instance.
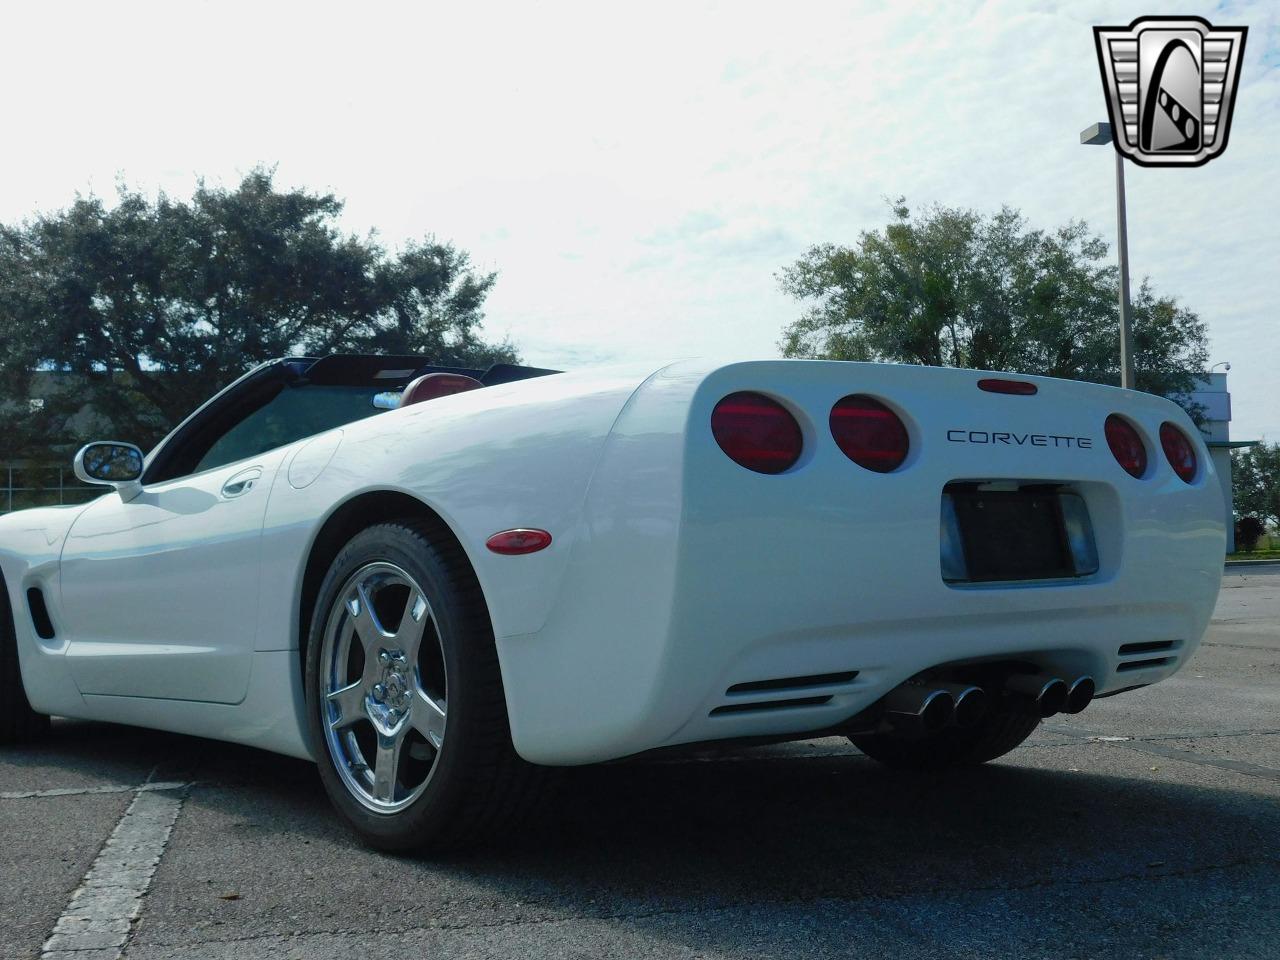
(81, 791)
(99, 916)
(1148, 745)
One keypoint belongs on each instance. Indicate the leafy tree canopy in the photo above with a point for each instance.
(950, 287)
(153, 305)
(1255, 481)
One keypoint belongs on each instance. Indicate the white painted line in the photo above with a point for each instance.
(98, 918)
(82, 791)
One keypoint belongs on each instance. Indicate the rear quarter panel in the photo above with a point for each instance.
(517, 455)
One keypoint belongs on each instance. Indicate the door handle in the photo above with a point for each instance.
(241, 483)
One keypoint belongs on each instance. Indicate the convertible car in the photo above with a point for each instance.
(436, 583)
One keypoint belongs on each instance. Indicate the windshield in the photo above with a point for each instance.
(296, 412)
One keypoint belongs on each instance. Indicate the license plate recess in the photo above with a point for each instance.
(1026, 533)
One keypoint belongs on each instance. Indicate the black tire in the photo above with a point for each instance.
(18, 722)
(478, 787)
(995, 735)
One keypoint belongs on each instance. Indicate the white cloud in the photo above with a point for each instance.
(638, 177)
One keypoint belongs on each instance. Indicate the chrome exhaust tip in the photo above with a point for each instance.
(971, 703)
(937, 711)
(1080, 695)
(921, 709)
(1045, 694)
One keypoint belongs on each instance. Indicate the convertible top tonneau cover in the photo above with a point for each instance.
(396, 371)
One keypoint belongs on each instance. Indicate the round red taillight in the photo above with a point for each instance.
(1126, 446)
(869, 433)
(1178, 451)
(757, 432)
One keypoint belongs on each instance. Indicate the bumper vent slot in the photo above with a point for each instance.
(749, 691)
(1150, 646)
(792, 683)
(769, 705)
(1147, 662)
(40, 614)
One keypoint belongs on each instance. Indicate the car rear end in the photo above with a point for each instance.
(821, 533)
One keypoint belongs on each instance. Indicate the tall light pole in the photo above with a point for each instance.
(1100, 133)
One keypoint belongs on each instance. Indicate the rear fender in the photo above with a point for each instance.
(515, 455)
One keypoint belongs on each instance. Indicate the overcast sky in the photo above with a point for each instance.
(638, 175)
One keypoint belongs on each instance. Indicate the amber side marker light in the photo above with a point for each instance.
(1019, 388)
(522, 540)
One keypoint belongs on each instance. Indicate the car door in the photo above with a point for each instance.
(159, 593)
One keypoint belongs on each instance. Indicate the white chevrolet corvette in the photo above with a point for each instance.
(434, 582)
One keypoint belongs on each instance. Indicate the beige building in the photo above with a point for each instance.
(1212, 394)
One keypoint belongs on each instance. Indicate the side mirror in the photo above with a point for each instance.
(109, 463)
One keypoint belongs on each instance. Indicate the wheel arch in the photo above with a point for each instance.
(7, 616)
(345, 522)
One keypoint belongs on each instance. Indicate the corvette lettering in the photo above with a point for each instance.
(1019, 439)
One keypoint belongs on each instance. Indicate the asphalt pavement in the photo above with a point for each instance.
(1146, 827)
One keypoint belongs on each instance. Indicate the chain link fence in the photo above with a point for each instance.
(24, 485)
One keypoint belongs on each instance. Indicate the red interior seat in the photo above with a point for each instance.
(432, 385)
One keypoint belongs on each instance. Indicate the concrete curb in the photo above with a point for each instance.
(1253, 563)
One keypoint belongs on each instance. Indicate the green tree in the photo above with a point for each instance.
(150, 306)
(1255, 481)
(958, 288)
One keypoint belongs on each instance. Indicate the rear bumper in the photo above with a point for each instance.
(691, 576)
(1067, 640)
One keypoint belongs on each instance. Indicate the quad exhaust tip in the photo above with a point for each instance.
(931, 707)
(1046, 695)
(927, 708)
(922, 709)
(1080, 695)
(971, 703)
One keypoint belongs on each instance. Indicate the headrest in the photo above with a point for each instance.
(432, 385)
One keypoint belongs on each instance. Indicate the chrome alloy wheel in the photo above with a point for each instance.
(383, 687)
